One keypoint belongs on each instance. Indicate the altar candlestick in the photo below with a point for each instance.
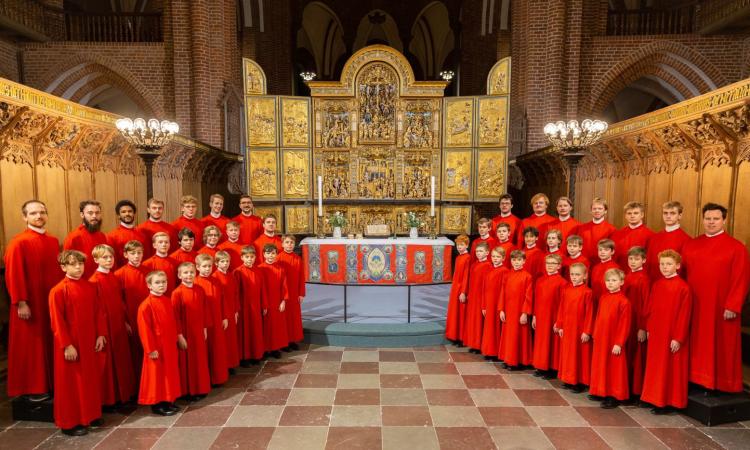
(320, 196)
(432, 196)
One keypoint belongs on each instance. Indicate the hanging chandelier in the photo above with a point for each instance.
(571, 136)
(147, 136)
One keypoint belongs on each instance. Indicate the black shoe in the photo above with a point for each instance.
(232, 371)
(254, 362)
(162, 410)
(514, 368)
(596, 398)
(567, 387)
(246, 363)
(578, 388)
(657, 411)
(78, 430)
(35, 398)
(550, 375)
(96, 422)
(539, 373)
(276, 354)
(610, 403)
(294, 346)
(109, 408)
(287, 349)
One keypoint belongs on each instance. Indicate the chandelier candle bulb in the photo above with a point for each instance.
(432, 196)
(320, 196)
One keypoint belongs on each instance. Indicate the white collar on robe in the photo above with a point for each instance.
(505, 215)
(564, 219)
(671, 228)
(632, 227)
(129, 226)
(151, 219)
(716, 234)
(37, 229)
(671, 276)
(102, 270)
(598, 221)
(574, 256)
(217, 216)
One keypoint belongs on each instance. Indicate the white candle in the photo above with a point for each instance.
(432, 196)
(320, 196)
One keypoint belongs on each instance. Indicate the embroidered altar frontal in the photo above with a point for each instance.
(377, 261)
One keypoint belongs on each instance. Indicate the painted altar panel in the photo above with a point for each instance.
(458, 129)
(491, 170)
(295, 178)
(254, 80)
(261, 121)
(457, 176)
(492, 127)
(299, 219)
(295, 122)
(455, 219)
(498, 81)
(263, 174)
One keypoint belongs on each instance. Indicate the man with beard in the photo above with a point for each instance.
(126, 232)
(31, 272)
(215, 217)
(88, 234)
(251, 227)
(155, 224)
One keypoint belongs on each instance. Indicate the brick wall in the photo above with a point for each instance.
(8, 60)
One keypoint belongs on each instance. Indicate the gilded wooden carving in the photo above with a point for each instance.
(459, 122)
(422, 212)
(498, 81)
(491, 170)
(336, 173)
(276, 210)
(416, 175)
(376, 173)
(335, 125)
(263, 173)
(295, 122)
(299, 219)
(296, 174)
(254, 78)
(261, 119)
(457, 175)
(455, 219)
(493, 122)
(377, 92)
(419, 125)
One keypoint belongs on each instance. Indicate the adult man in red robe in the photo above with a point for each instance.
(564, 222)
(276, 296)
(269, 235)
(539, 218)
(594, 231)
(633, 234)
(126, 231)
(31, 271)
(251, 226)
(214, 216)
(506, 205)
(718, 272)
(88, 235)
(189, 208)
(671, 237)
(156, 224)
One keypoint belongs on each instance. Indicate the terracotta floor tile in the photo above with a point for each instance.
(684, 439)
(346, 438)
(540, 397)
(599, 417)
(321, 367)
(23, 438)
(144, 418)
(239, 381)
(400, 381)
(281, 367)
(523, 381)
(306, 380)
(503, 416)
(307, 438)
(449, 397)
(312, 397)
(59, 441)
(629, 438)
(556, 416)
(360, 367)
(494, 397)
(464, 438)
(311, 416)
(433, 357)
(644, 417)
(265, 397)
(222, 397)
(273, 381)
(477, 368)
(507, 438)
(130, 438)
(728, 437)
(397, 356)
(400, 368)
(357, 397)
(575, 439)
(255, 416)
(466, 357)
(244, 438)
(456, 416)
(437, 368)
(324, 356)
(405, 416)
(204, 416)
(184, 438)
(402, 397)
(484, 381)
(411, 438)
(442, 382)
(361, 356)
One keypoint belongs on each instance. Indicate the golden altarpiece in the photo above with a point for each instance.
(376, 137)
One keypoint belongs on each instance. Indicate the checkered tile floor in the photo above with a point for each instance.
(421, 398)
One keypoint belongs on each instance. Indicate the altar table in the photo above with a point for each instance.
(369, 261)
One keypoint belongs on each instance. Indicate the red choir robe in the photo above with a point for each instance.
(592, 233)
(295, 280)
(598, 288)
(210, 251)
(535, 264)
(636, 288)
(251, 227)
(659, 242)
(192, 318)
(569, 261)
(250, 285)
(150, 227)
(609, 373)
(473, 327)
(718, 272)
(157, 328)
(491, 241)
(547, 294)
(566, 227)
(181, 256)
(536, 221)
(557, 252)
(82, 240)
(456, 314)
(491, 328)
(195, 225)
(264, 239)
(118, 381)
(120, 236)
(134, 290)
(626, 238)
(31, 271)
(665, 382)
(165, 263)
(217, 337)
(516, 298)
(275, 290)
(508, 246)
(515, 227)
(231, 304)
(575, 316)
(235, 253)
(220, 222)
(78, 320)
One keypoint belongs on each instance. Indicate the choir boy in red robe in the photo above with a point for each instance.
(547, 294)
(231, 303)
(456, 313)
(515, 307)
(118, 381)
(540, 218)
(534, 255)
(211, 238)
(251, 226)
(193, 319)
(492, 289)
(186, 252)
(189, 208)
(295, 279)
(597, 229)
(665, 383)
(276, 296)
(156, 224)
(214, 216)
(503, 240)
(473, 327)
(88, 235)
(554, 241)
(125, 232)
(574, 247)
(564, 222)
(157, 328)
(31, 272)
(232, 245)
(79, 328)
(483, 228)
(636, 288)
(574, 325)
(219, 319)
(132, 279)
(633, 234)
(671, 237)
(250, 285)
(718, 272)
(268, 236)
(606, 251)
(506, 205)
(609, 361)
(162, 261)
